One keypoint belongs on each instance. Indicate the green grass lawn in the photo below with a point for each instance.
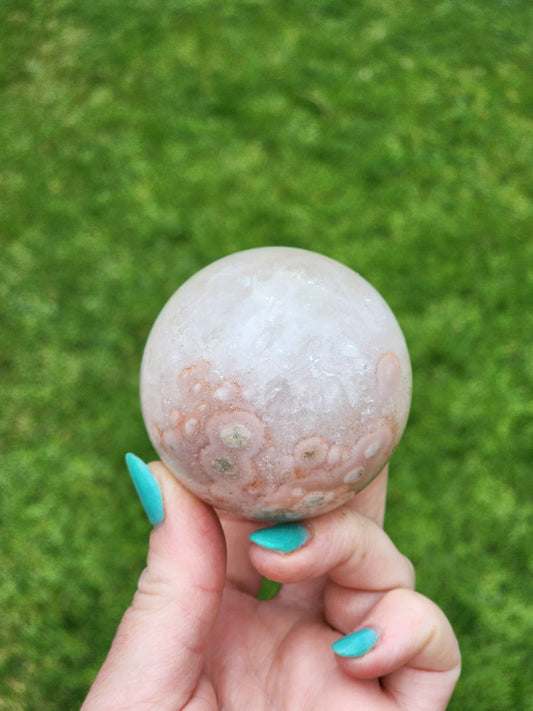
(139, 141)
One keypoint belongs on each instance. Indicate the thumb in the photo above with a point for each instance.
(157, 656)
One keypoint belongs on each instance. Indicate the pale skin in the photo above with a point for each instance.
(196, 638)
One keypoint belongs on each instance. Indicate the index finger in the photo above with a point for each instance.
(348, 547)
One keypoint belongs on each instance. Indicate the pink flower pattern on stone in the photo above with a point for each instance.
(214, 425)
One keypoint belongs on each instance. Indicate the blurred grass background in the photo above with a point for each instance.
(141, 141)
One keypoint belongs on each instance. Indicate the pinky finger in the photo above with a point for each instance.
(407, 642)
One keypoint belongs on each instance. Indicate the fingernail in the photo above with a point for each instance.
(356, 644)
(147, 488)
(282, 538)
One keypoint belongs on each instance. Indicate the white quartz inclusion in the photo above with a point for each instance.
(275, 383)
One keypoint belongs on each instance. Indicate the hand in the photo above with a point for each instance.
(196, 637)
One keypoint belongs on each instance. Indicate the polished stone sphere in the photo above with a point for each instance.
(275, 384)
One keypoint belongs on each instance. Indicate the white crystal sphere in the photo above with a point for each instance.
(275, 383)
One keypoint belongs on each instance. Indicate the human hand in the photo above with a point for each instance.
(197, 638)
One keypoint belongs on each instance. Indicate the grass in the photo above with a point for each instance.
(141, 141)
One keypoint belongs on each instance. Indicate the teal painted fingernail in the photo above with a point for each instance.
(356, 644)
(147, 488)
(282, 538)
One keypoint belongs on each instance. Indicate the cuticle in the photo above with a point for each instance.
(310, 534)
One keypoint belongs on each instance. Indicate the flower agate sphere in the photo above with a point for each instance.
(275, 384)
